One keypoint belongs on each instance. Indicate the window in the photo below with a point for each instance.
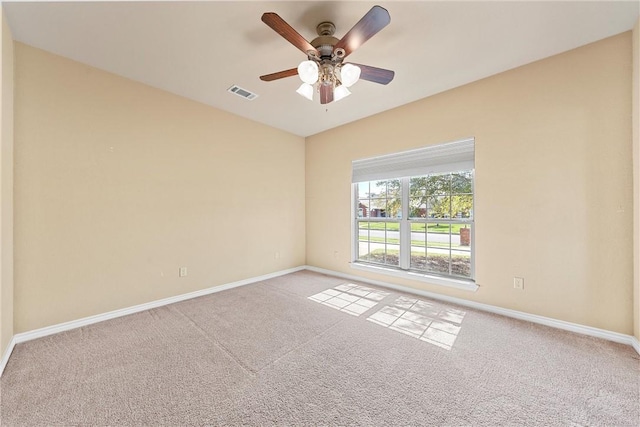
(414, 211)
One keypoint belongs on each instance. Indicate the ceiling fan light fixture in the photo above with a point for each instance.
(349, 74)
(308, 72)
(306, 90)
(341, 92)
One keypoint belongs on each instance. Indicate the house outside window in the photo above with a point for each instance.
(414, 211)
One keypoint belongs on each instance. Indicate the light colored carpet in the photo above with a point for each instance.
(310, 349)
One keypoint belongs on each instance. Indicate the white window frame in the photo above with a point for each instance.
(404, 270)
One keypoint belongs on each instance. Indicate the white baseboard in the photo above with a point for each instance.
(554, 323)
(61, 327)
(547, 321)
(7, 354)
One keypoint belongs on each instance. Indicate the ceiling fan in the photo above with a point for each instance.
(324, 70)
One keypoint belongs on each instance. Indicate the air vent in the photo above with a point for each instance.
(243, 92)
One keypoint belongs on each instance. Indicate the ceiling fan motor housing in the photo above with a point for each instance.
(324, 45)
(325, 41)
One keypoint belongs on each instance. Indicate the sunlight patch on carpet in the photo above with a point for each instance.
(424, 320)
(350, 298)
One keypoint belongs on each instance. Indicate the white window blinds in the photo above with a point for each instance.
(439, 158)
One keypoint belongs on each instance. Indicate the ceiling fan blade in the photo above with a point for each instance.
(285, 30)
(279, 75)
(376, 75)
(326, 94)
(375, 20)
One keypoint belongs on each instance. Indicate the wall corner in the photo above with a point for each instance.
(6, 184)
(635, 114)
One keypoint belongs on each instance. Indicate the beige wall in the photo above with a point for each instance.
(118, 184)
(553, 182)
(635, 110)
(6, 185)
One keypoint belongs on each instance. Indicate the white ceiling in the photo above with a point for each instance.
(199, 49)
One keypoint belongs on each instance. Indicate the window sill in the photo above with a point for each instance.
(467, 285)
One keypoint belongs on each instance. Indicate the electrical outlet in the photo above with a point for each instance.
(276, 255)
(518, 283)
(183, 271)
(335, 254)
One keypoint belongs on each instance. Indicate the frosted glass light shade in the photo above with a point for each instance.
(341, 92)
(349, 74)
(306, 90)
(308, 72)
